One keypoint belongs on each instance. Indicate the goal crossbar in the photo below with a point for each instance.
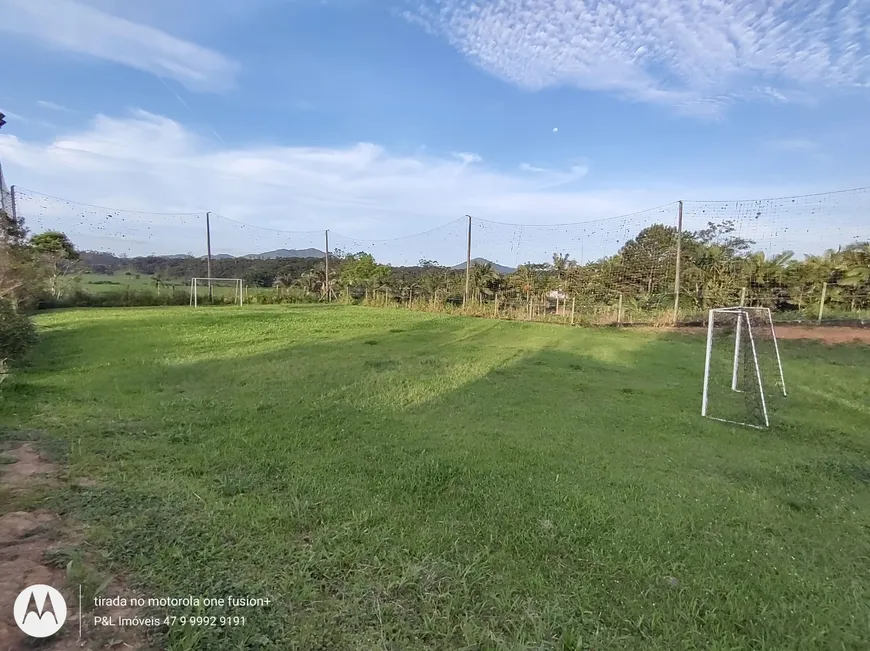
(194, 287)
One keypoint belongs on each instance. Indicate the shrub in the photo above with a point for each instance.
(17, 334)
(126, 297)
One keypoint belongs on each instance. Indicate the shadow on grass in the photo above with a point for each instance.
(432, 483)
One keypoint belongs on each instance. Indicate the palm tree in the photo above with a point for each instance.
(809, 275)
(158, 280)
(855, 264)
(527, 279)
(483, 278)
(562, 266)
(283, 282)
(430, 283)
(764, 276)
(713, 274)
(310, 281)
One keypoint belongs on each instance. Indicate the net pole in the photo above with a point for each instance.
(678, 269)
(822, 301)
(776, 349)
(14, 205)
(745, 315)
(707, 363)
(326, 281)
(208, 247)
(737, 342)
(467, 265)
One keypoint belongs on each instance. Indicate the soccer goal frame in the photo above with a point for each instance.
(743, 330)
(194, 288)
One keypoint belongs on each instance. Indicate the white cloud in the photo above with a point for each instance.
(145, 162)
(52, 106)
(12, 117)
(71, 26)
(792, 146)
(697, 56)
(467, 157)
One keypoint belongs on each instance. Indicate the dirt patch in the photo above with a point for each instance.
(26, 469)
(29, 540)
(826, 334)
(830, 335)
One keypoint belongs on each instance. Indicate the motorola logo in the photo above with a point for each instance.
(40, 610)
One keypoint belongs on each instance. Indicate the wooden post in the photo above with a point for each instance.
(208, 263)
(467, 265)
(822, 302)
(530, 306)
(495, 311)
(742, 296)
(678, 267)
(326, 280)
(573, 300)
(619, 311)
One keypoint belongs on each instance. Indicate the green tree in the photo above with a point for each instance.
(766, 277)
(361, 270)
(58, 256)
(649, 261)
(18, 274)
(482, 280)
(12, 231)
(855, 264)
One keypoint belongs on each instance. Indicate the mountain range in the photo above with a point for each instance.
(317, 253)
(499, 268)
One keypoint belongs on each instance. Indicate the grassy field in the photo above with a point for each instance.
(96, 283)
(398, 480)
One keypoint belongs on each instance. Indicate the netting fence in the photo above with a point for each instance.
(805, 257)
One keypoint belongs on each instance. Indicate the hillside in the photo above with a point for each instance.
(287, 253)
(496, 267)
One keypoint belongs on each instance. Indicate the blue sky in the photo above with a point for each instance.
(381, 119)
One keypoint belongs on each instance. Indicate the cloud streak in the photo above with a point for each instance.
(71, 26)
(149, 163)
(52, 106)
(696, 56)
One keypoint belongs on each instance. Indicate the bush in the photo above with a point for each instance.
(126, 297)
(17, 334)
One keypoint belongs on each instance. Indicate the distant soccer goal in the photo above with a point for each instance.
(743, 374)
(202, 289)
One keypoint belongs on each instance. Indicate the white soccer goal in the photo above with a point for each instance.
(742, 367)
(221, 286)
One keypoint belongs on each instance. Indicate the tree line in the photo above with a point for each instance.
(718, 267)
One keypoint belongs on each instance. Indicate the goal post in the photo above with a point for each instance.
(761, 320)
(742, 366)
(230, 286)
